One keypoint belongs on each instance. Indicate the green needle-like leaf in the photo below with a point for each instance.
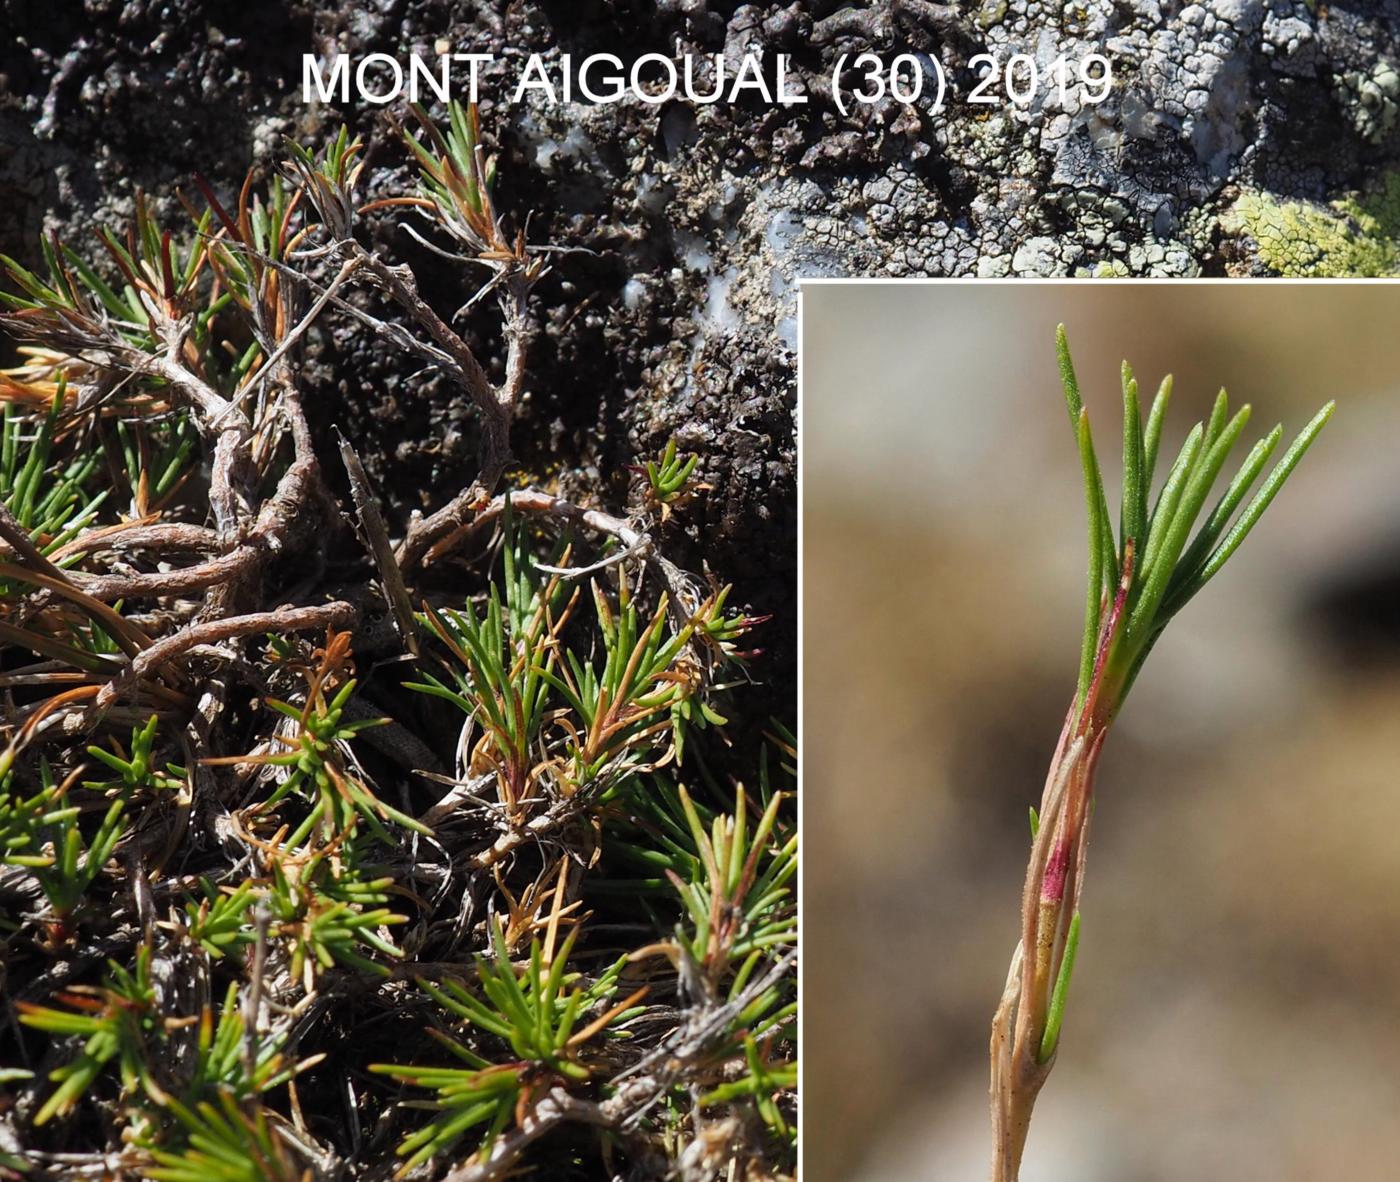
(1092, 473)
(1174, 536)
(1055, 1015)
(1167, 500)
(1098, 527)
(1068, 381)
(1152, 436)
(1265, 495)
(1188, 568)
(1133, 520)
(1218, 414)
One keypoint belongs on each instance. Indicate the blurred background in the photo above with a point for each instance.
(1236, 1002)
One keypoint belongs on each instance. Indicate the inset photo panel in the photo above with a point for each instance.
(1102, 694)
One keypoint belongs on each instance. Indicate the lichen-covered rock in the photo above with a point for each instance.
(1371, 99)
(1283, 97)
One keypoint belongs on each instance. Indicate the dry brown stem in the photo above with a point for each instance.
(286, 619)
(1021, 1054)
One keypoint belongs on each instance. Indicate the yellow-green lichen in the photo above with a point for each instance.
(1358, 236)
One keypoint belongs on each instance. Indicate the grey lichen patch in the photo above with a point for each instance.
(1109, 269)
(1206, 96)
(1290, 42)
(1195, 77)
(1370, 100)
(1045, 256)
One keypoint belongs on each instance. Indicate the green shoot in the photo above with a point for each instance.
(314, 767)
(737, 896)
(218, 922)
(539, 1015)
(668, 480)
(222, 1064)
(1171, 567)
(761, 1083)
(329, 178)
(456, 178)
(326, 920)
(116, 1020)
(226, 1142)
(1137, 583)
(69, 864)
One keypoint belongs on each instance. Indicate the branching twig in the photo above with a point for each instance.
(287, 619)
